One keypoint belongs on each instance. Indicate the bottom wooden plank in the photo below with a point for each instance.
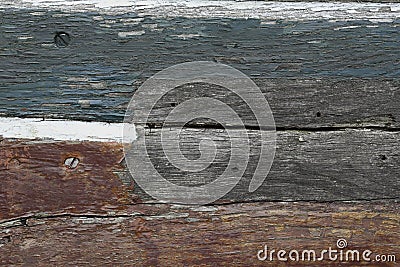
(221, 235)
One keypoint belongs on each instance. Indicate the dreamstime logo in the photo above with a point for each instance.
(149, 95)
(341, 253)
(341, 243)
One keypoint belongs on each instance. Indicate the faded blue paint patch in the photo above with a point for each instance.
(38, 79)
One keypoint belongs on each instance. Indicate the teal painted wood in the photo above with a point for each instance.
(110, 55)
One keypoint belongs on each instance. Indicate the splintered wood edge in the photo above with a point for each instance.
(264, 10)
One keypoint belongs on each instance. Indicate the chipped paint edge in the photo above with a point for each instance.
(64, 130)
(263, 10)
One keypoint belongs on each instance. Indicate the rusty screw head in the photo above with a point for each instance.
(62, 39)
(71, 162)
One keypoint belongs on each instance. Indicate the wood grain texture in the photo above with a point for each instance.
(35, 179)
(308, 166)
(330, 72)
(229, 235)
(344, 10)
(110, 55)
(324, 166)
(299, 103)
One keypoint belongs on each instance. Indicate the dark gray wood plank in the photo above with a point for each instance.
(312, 166)
(299, 103)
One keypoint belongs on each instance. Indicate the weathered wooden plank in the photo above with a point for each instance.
(325, 166)
(313, 166)
(228, 235)
(35, 177)
(299, 103)
(112, 51)
(345, 10)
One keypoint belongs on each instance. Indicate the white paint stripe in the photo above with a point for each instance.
(62, 130)
(263, 10)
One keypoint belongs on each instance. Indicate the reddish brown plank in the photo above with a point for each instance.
(35, 179)
(227, 235)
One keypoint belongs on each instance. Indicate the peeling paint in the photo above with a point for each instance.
(62, 130)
